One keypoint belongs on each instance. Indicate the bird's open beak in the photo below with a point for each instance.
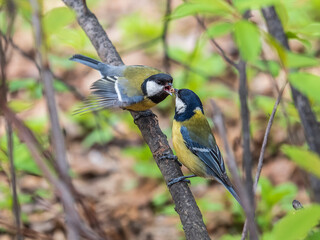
(169, 89)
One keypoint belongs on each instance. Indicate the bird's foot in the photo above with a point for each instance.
(171, 157)
(143, 114)
(180, 179)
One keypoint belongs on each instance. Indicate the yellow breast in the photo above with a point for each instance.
(185, 156)
(142, 106)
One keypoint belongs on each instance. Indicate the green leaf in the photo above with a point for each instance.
(20, 105)
(220, 29)
(313, 236)
(247, 38)
(243, 5)
(214, 7)
(307, 83)
(283, 191)
(24, 161)
(292, 35)
(282, 54)
(307, 160)
(23, 83)
(56, 19)
(282, 12)
(268, 66)
(295, 60)
(312, 30)
(60, 86)
(135, 28)
(297, 224)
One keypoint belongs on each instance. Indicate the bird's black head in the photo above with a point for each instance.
(157, 87)
(186, 102)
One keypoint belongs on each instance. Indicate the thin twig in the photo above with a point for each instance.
(275, 85)
(265, 138)
(16, 205)
(214, 42)
(166, 62)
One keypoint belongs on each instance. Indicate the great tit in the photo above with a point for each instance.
(194, 142)
(135, 87)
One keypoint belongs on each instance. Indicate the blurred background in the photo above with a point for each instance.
(111, 165)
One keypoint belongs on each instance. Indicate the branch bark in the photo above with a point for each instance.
(186, 206)
(308, 119)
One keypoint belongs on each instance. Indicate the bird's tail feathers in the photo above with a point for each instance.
(86, 61)
(233, 192)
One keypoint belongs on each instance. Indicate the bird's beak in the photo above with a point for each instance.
(169, 89)
(175, 90)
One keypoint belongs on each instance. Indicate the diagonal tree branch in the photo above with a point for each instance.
(186, 206)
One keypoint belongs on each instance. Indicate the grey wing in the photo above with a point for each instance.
(104, 69)
(211, 157)
(108, 93)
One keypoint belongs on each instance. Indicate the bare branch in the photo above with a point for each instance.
(265, 138)
(16, 205)
(214, 42)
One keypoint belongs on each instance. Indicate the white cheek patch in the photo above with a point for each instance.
(180, 106)
(153, 88)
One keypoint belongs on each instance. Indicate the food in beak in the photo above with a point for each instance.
(168, 88)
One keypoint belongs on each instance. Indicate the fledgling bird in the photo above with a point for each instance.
(194, 142)
(136, 87)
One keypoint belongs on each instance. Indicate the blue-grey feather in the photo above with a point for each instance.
(213, 160)
(104, 69)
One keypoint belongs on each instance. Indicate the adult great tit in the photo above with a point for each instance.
(194, 142)
(135, 87)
